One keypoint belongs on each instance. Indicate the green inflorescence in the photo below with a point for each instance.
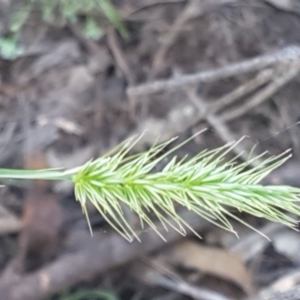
(206, 184)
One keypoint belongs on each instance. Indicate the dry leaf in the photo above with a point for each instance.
(210, 260)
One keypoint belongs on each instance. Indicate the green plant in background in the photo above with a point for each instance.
(86, 12)
(206, 184)
(70, 10)
(9, 47)
(91, 295)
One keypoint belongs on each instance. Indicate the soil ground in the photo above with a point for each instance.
(68, 98)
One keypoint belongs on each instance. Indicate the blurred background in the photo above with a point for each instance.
(78, 77)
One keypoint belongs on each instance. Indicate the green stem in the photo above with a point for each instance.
(48, 174)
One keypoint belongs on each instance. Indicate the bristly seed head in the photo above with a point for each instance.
(204, 184)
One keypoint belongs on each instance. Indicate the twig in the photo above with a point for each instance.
(286, 5)
(155, 274)
(26, 119)
(285, 288)
(243, 90)
(61, 123)
(265, 94)
(8, 222)
(292, 294)
(185, 115)
(150, 3)
(122, 63)
(253, 244)
(202, 110)
(119, 57)
(220, 127)
(193, 9)
(291, 53)
(7, 141)
(194, 6)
